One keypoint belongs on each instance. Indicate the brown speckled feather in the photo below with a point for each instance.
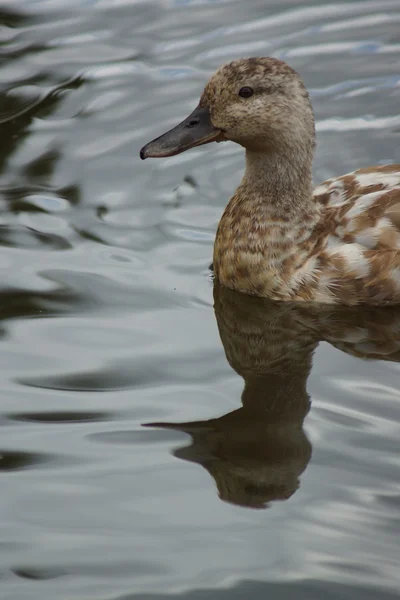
(280, 239)
(359, 250)
(351, 253)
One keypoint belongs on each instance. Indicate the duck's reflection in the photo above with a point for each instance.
(257, 453)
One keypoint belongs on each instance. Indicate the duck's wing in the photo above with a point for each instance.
(363, 208)
(359, 237)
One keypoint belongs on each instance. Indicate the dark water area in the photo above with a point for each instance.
(272, 468)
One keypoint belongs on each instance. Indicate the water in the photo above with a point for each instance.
(108, 321)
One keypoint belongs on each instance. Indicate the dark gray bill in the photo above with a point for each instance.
(196, 130)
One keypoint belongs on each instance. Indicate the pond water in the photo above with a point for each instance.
(107, 318)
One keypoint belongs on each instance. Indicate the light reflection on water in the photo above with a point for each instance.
(107, 318)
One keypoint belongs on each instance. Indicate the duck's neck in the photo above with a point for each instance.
(283, 182)
(265, 233)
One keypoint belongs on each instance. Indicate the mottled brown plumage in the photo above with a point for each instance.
(277, 237)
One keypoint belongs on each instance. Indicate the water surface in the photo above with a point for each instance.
(108, 320)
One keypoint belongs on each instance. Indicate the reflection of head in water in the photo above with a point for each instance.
(252, 459)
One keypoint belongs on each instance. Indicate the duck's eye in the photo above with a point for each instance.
(246, 92)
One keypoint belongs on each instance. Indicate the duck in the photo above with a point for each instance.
(280, 238)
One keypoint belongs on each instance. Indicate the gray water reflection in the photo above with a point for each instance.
(107, 321)
(257, 453)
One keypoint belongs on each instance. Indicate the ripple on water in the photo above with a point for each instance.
(29, 239)
(136, 437)
(16, 461)
(37, 574)
(61, 417)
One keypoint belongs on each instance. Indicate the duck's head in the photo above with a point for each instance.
(259, 103)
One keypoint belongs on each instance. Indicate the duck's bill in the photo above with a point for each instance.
(194, 131)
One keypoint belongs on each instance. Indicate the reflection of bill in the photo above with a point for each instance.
(257, 453)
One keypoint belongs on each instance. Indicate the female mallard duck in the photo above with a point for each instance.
(277, 237)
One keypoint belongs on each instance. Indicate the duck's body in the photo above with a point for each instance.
(344, 249)
(278, 238)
